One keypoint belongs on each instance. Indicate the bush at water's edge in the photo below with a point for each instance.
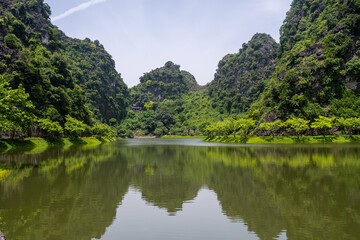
(288, 139)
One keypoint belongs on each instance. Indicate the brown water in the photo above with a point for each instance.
(182, 189)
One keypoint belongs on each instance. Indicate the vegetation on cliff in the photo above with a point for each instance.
(167, 82)
(241, 77)
(318, 64)
(181, 116)
(53, 76)
(47, 77)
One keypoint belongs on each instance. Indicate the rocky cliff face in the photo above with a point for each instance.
(2, 236)
(241, 77)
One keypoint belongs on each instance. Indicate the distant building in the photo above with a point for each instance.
(136, 107)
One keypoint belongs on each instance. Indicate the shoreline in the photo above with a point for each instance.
(174, 136)
(40, 144)
(286, 139)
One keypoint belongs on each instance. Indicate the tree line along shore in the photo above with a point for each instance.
(294, 130)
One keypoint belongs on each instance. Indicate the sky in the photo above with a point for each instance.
(142, 35)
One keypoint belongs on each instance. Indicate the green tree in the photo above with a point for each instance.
(202, 126)
(245, 125)
(271, 127)
(160, 129)
(103, 130)
(348, 125)
(74, 127)
(230, 126)
(299, 125)
(210, 130)
(323, 124)
(50, 127)
(222, 128)
(15, 108)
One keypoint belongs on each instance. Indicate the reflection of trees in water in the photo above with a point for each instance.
(160, 174)
(57, 203)
(311, 192)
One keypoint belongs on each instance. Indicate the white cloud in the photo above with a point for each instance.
(78, 8)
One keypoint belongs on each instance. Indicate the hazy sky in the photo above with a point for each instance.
(142, 35)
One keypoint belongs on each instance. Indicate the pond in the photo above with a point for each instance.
(182, 189)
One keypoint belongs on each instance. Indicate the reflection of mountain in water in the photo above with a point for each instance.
(311, 192)
(64, 199)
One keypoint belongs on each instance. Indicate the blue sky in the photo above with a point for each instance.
(142, 35)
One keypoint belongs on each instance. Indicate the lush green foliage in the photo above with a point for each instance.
(230, 126)
(318, 61)
(74, 127)
(299, 125)
(314, 71)
(103, 130)
(15, 108)
(167, 82)
(323, 124)
(52, 128)
(348, 125)
(271, 127)
(241, 77)
(94, 70)
(189, 114)
(62, 75)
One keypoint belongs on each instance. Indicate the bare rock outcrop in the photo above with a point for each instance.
(2, 236)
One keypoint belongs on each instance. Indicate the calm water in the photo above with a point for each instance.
(182, 189)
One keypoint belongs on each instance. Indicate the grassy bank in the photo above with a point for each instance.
(287, 139)
(40, 144)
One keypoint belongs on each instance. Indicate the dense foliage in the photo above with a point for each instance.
(294, 126)
(241, 77)
(62, 75)
(46, 75)
(168, 101)
(318, 63)
(15, 108)
(182, 116)
(94, 70)
(167, 82)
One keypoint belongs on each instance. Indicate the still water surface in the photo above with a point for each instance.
(183, 189)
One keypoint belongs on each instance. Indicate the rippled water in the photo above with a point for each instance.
(182, 189)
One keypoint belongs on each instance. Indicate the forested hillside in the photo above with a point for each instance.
(62, 76)
(314, 71)
(168, 82)
(168, 100)
(318, 69)
(94, 70)
(241, 77)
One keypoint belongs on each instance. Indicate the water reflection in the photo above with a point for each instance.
(274, 192)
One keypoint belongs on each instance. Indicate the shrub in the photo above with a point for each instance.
(12, 41)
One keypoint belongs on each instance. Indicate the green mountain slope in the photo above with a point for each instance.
(94, 70)
(62, 75)
(318, 70)
(241, 77)
(180, 105)
(167, 82)
(187, 114)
